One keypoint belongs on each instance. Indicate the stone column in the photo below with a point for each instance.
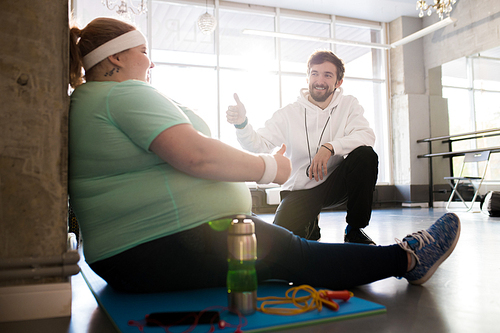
(33, 133)
(409, 112)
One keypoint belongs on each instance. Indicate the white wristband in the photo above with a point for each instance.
(271, 169)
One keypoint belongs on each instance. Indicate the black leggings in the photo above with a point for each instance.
(352, 182)
(197, 258)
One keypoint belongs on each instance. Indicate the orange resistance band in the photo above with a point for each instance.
(315, 300)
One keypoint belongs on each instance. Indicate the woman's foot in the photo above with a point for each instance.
(431, 247)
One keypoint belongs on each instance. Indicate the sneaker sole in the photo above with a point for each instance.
(434, 267)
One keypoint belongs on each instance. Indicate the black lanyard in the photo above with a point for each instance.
(321, 137)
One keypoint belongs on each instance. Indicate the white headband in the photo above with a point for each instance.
(121, 43)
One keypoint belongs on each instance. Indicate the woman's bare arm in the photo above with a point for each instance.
(195, 154)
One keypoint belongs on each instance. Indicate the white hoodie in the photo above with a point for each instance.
(346, 130)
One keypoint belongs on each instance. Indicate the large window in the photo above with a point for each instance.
(472, 87)
(204, 71)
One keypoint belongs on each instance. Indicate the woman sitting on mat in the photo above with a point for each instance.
(145, 178)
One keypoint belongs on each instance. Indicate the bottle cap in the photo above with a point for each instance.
(242, 243)
(242, 227)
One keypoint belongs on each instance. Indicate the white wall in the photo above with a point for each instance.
(477, 29)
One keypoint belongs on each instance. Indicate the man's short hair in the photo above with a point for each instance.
(320, 56)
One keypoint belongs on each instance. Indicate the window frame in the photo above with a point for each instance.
(379, 81)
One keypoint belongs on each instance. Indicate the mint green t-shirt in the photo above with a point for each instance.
(122, 193)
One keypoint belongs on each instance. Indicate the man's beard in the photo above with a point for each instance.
(320, 97)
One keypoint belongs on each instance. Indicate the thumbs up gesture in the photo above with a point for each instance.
(236, 114)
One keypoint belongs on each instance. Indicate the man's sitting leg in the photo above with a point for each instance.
(361, 177)
(313, 230)
(353, 182)
(298, 212)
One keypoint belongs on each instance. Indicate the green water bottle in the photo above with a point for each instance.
(241, 274)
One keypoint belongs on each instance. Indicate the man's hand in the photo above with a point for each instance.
(284, 166)
(236, 114)
(318, 167)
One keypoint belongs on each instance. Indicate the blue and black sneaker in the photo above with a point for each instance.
(431, 247)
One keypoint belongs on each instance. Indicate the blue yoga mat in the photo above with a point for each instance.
(126, 309)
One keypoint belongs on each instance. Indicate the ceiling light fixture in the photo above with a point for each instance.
(425, 31)
(125, 7)
(402, 41)
(206, 22)
(313, 38)
(440, 6)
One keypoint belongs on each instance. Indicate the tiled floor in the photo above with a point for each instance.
(462, 296)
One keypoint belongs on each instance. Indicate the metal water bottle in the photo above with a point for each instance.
(241, 274)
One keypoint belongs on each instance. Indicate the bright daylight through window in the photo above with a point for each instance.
(472, 87)
(204, 71)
